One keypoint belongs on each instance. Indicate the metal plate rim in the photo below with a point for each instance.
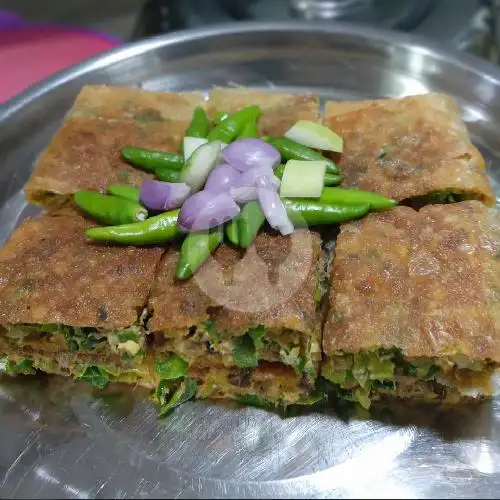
(464, 61)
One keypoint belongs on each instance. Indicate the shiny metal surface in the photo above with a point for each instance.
(401, 14)
(59, 441)
(327, 9)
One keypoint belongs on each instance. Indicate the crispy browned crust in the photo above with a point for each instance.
(426, 282)
(85, 152)
(271, 284)
(279, 111)
(85, 155)
(409, 147)
(440, 102)
(50, 274)
(170, 109)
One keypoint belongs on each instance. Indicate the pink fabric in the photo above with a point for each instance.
(29, 54)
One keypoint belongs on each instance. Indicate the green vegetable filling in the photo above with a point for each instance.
(175, 387)
(128, 342)
(16, 368)
(172, 368)
(292, 357)
(439, 197)
(446, 197)
(318, 395)
(247, 347)
(97, 376)
(78, 339)
(361, 376)
(213, 334)
(245, 352)
(170, 396)
(81, 339)
(258, 335)
(425, 372)
(253, 400)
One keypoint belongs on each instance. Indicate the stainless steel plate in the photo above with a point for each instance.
(58, 441)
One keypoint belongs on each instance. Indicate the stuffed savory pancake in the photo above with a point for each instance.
(245, 312)
(414, 305)
(85, 152)
(279, 111)
(70, 306)
(413, 149)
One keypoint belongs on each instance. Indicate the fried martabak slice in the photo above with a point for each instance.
(247, 308)
(414, 304)
(61, 293)
(416, 149)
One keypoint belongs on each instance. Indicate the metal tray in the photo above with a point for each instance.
(59, 441)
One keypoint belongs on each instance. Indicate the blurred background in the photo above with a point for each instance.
(40, 37)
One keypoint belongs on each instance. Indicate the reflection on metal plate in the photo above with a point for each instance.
(60, 441)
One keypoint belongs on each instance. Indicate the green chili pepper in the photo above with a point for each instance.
(232, 231)
(330, 179)
(128, 192)
(199, 125)
(155, 230)
(230, 128)
(307, 212)
(291, 150)
(110, 209)
(168, 174)
(250, 221)
(196, 249)
(250, 129)
(333, 179)
(355, 197)
(279, 171)
(150, 160)
(220, 116)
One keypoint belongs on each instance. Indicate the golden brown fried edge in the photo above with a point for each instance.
(173, 109)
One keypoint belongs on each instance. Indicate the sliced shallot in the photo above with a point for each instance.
(205, 209)
(245, 154)
(223, 178)
(162, 196)
(274, 211)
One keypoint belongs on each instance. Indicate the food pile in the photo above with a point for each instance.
(228, 176)
(307, 292)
